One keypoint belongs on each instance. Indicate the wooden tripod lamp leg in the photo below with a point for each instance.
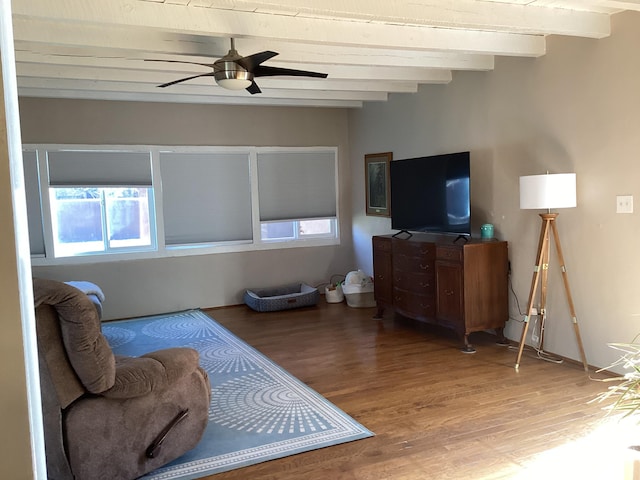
(567, 290)
(542, 247)
(544, 280)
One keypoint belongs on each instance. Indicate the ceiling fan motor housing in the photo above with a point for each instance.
(231, 74)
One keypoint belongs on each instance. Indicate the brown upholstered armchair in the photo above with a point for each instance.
(106, 416)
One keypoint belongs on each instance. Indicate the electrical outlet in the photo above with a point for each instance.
(624, 204)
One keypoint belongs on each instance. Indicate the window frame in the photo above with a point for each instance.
(108, 249)
(157, 222)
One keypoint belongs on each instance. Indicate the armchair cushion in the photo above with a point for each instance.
(151, 372)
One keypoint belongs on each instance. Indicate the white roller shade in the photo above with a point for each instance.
(32, 192)
(206, 197)
(296, 185)
(99, 169)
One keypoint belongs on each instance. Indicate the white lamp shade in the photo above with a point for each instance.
(548, 191)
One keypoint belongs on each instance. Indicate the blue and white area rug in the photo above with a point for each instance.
(258, 411)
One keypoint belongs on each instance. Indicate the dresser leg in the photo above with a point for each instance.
(379, 313)
(467, 348)
(502, 340)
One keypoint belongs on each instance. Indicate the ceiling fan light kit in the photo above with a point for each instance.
(233, 83)
(232, 77)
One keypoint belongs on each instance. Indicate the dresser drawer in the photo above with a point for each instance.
(382, 244)
(414, 249)
(404, 263)
(414, 305)
(449, 253)
(421, 283)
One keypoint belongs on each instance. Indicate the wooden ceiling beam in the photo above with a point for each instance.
(526, 18)
(219, 22)
(179, 98)
(185, 89)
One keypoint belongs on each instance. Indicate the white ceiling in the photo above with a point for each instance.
(96, 49)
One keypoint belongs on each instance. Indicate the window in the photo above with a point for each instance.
(297, 230)
(100, 201)
(93, 220)
(297, 195)
(143, 202)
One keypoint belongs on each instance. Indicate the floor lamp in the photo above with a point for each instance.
(550, 191)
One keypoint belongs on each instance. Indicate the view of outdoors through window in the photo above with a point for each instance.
(94, 219)
(297, 229)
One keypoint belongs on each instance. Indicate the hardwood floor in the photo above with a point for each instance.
(437, 413)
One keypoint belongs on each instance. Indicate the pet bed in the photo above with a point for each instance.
(281, 298)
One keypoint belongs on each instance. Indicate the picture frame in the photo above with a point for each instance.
(378, 184)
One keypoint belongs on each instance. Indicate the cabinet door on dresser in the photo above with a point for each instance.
(486, 277)
(449, 299)
(382, 271)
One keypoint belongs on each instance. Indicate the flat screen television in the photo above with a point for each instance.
(431, 194)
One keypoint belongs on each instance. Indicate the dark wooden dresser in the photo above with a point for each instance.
(434, 279)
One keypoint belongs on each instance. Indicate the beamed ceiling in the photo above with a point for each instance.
(97, 49)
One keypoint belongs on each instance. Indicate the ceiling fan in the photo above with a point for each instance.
(235, 72)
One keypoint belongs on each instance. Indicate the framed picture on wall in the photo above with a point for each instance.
(376, 171)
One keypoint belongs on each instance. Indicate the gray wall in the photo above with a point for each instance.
(577, 109)
(143, 287)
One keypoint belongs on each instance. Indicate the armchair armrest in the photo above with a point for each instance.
(137, 376)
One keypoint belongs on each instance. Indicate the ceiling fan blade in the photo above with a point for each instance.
(261, 71)
(253, 88)
(208, 74)
(252, 61)
(210, 65)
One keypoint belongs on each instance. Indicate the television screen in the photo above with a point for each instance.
(431, 194)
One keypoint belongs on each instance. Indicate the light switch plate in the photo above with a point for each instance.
(624, 204)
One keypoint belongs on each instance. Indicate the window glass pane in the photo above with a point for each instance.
(128, 217)
(316, 227)
(76, 216)
(80, 215)
(278, 230)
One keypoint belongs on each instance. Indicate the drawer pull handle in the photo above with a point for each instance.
(422, 284)
(448, 292)
(424, 267)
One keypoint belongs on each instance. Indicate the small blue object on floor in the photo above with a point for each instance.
(281, 298)
(258, 410)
